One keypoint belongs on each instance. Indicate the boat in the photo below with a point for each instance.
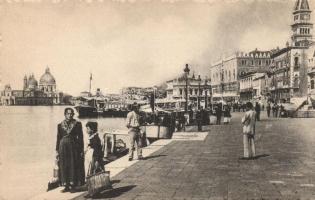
(90, 106)
(115, 113)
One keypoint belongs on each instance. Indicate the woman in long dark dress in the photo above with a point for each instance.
(69, 149)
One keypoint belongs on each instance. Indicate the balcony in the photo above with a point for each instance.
(311, 71)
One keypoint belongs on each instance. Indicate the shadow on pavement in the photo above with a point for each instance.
(115, 192)
(261, 156)
(150, 157)
(254, 158)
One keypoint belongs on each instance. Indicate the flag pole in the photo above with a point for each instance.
(90, 84)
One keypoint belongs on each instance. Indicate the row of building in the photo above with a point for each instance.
(276, 75)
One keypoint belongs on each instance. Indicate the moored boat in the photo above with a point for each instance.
(86, 110)
(90, 106)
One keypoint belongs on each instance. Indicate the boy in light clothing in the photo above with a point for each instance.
(249, 121)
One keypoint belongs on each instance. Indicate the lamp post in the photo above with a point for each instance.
(210, 93)
(222, 85)
(186, 70)
(206, 94)
(198, 97)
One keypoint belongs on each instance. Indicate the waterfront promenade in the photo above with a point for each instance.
(212, 168)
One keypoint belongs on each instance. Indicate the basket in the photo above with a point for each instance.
(54, 182)
(98, 182)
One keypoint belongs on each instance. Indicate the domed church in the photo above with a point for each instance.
(44, 93)
(47, 82)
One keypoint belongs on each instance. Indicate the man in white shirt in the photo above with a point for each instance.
(133, 125)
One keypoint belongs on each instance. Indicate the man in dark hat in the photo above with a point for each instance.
(133, 124)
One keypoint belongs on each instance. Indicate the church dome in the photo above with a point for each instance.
(32, 81)
(47, 78)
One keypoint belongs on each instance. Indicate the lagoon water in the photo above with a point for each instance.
(27, 147)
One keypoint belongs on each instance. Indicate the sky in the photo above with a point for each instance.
(132, 42)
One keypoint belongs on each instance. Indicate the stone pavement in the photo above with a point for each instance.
(211, 169)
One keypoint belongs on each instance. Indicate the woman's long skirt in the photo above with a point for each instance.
(67, 160)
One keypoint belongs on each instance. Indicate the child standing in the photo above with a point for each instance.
(95, 159)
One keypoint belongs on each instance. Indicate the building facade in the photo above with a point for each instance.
(252, 86)
(289, 69)
(311, 71)
(197, 88)
(226, 73)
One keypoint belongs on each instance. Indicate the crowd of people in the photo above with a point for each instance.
(277, 109)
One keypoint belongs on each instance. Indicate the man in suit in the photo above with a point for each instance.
(219, 113)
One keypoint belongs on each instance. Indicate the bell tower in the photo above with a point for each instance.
(302, 25)
(25, 83)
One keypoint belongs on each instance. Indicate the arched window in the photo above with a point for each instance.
(312, 84)
(296, 81)
(296, 61)
(190, 91)
(180, 91)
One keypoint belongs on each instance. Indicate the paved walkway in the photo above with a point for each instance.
(211, 169)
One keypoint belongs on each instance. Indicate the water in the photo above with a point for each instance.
(27, 147)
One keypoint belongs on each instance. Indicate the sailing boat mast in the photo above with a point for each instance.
(90, 94)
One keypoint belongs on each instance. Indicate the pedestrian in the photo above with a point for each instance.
(219, 113)
(205, 117)
(133, 124)
(199, 119)
(268, 109)
(69, 149)
(226, 115)
(276, 109)
(248, 122)
(282, 111)
(257, 109)
(182, 121)
(95, 163)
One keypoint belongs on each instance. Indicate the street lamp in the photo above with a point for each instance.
(186, 70)
(210, 93)
(206, 93)
(198, 97)
(222, 85)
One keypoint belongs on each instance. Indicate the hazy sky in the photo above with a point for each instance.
(132, 43)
